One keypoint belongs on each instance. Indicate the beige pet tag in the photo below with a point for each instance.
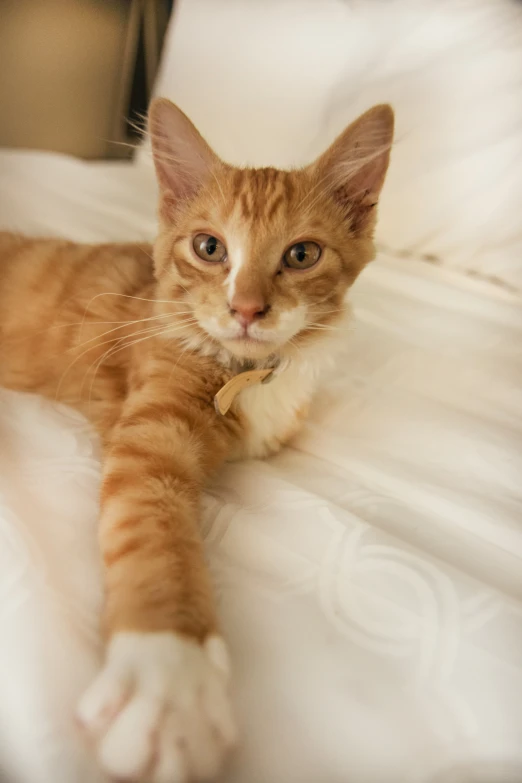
(228, 393)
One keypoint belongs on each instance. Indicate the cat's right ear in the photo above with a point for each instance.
(182, 157)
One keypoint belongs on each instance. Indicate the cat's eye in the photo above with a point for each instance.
(302, 255)
(209, 248)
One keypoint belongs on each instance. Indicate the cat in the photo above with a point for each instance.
(206, 347)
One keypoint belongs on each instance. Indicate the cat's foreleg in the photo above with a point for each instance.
(159, 711)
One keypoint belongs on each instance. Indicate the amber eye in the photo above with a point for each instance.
(209, 248)
(303, 255)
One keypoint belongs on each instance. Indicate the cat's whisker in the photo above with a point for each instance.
(91, 348)
(147, 254)
(319, 322)
(292, 341)
(127, 342)
(132, 334)
(127, 144)
(116, 328)
(156, 332)
(130, 296)
(191, 350)
(47, 329)
(176, 364)
(126, 296)
(331, 312)
(131, 323)
(138, 124)
(111, 340)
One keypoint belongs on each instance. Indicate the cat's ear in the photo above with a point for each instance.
(181, 155)
(355, 165)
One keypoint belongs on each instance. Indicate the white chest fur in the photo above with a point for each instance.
(274, 411)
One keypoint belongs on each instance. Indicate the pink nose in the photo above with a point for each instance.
(246, 311)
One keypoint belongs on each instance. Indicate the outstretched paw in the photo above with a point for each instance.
(159, 711)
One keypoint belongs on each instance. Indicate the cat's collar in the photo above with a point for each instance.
(244, 378)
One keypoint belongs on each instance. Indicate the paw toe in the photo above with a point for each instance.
(128, 748)
(101, 702)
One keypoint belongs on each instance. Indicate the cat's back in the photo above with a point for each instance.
(26, 259)
(38, 275)
(56, 294)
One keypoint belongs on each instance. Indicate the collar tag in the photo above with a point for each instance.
(228, 393)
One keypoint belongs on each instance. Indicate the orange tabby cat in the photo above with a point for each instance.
(249, 272)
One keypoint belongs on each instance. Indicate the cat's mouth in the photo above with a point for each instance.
(252, 341)
(248, 346)
(247, 338)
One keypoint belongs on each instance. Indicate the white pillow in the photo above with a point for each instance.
(274, 81)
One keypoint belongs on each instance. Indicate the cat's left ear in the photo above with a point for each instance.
(355, 165)
(182, 157)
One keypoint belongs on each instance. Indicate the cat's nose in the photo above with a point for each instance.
(246, 311)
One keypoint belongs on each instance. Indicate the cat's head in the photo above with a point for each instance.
(260, 259)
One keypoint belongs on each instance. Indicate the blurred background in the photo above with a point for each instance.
(75, 71)
(272, 82)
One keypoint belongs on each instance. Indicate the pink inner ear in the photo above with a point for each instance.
(181, 156)
(357, 161)
(365, 182)
(358, 196)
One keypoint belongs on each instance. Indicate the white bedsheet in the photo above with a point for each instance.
(369, 577)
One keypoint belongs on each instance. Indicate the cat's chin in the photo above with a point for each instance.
(249, 349)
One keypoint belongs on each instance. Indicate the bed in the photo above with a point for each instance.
(373, 603)
(369, 577)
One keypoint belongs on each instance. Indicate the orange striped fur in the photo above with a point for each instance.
(140, 339)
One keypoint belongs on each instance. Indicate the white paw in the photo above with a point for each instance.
(159, 711)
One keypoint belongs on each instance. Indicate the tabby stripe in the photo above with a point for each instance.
(160, 457)
(274, 206)
(156, 483)
(130, 547)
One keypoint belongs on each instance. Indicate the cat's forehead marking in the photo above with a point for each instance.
(238, 247)
(260, 199)
(258, 195)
